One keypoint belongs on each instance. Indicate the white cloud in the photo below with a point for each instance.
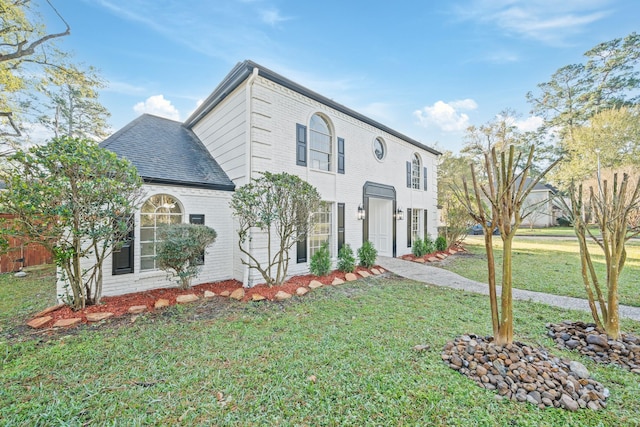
(272, 17)
(157, 106)
(548, 21)
(447, 116)
(529, 124)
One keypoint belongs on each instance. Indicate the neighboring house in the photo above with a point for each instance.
(543, 210)
(378, 184)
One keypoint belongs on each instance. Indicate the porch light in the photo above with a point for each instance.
(399, 215)
(361, 213)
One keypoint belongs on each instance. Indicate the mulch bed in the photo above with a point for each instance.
(119, 305)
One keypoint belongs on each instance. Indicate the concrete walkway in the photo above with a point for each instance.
(440, 277)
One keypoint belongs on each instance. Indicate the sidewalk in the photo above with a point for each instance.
(440, 277)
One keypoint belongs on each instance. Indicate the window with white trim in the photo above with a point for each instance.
(416, 224)
(415, 172)
(320, 143)
(158, 210)
(321, 225)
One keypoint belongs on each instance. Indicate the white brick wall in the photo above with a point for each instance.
(275, 112)
(218, 257)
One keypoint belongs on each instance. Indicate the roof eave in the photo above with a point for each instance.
(190, 184)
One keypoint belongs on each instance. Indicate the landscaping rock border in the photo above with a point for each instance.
(589, 341)
(525, 374)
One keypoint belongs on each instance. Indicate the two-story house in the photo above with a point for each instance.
(378, 184)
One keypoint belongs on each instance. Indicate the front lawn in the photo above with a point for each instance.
(550, 265)
(339, 356)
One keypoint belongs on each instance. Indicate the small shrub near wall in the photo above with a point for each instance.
(321, 261)
(346, 259)
(367, 255)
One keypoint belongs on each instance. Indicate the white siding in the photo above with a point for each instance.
(218, 257)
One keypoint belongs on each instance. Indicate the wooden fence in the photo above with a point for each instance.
(21, 254)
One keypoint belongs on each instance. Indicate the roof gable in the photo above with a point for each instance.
(244, 69)
(166, 152)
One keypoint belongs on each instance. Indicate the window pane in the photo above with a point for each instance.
(147, 234)
(146, 220)
(148, 249)
(147, 263)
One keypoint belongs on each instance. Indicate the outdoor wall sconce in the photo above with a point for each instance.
(361, 213)
(399, 215)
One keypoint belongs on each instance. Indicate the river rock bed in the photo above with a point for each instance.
(589, 341)
(525, 374)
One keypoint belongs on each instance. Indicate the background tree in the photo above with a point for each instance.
(24, 41)
(181, 248)
(453, 214)
(279, 205)
(76, 199)
(505, 191)
(73, 108)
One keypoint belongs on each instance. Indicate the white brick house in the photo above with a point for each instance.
(257, 120)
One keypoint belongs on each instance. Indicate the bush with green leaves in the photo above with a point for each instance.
(429, 244)
(180, 248)
(321, 261)
(419, 247)
(346, 259)
(441, 243)
(367, 255)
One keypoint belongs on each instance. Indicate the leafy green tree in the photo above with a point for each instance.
(76, 199)
(180, 249)
(607, 79)
(280, 206)
(451, 169)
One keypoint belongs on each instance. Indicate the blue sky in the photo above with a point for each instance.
(425, 68)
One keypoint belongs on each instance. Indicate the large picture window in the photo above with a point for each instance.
(320, 228)
(320, 143)
(158, 210)
(415, 172)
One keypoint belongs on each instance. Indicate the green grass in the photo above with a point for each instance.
(167, 368)
(549, 265)
(551, 231)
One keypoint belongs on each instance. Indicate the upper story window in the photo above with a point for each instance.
(379, 149)
(415, 172)
(320, 143)
(158, 210)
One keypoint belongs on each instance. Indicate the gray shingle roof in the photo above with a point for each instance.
(165, 152)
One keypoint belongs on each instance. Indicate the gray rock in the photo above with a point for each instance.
(572, 344)
(579, 369)
(568, 402)
(599, 340)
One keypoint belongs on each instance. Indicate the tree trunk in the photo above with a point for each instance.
(505, 329)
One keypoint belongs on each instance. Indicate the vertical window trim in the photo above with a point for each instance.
(341, 155)
(408, 174)
(198, 219)
(424, 223)
(341, 226)
(301, 145)
(409, 227)
(424, 171)
(130, 241)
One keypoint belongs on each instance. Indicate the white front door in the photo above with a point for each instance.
(380, 225)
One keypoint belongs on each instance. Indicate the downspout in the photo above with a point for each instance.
(249, 150)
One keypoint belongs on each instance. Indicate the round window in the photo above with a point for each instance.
(379, 149)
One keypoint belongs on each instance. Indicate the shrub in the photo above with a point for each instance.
(419, 247)
(346, 259)
(441, 243)
(564, 222)
(430, 247)
(180, 249)
(367, 255)
(321, 261)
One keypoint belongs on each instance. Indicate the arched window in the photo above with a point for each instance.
(158, 210)
(415, 172)
(320, 143)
